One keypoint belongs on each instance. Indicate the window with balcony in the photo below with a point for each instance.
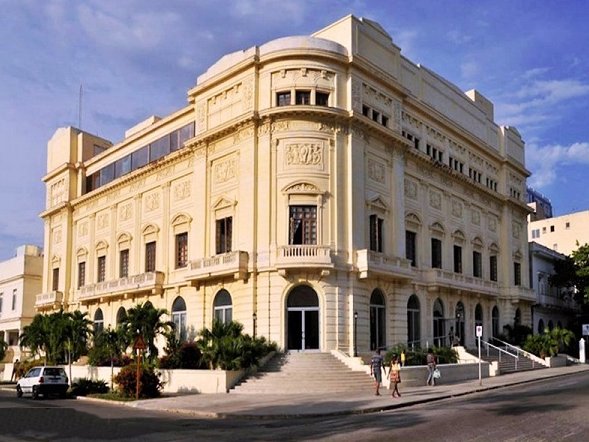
(81, 274)
(436, 253)
(477, 264)
(303, 97)
(411, 247)
(55, 280)
(457, 259)
(376, 228)
(124, 263)
(181, 250)
(224, 233)
(150, 257)
(493, 267)
(517, 273)
(283, 98)
(101, 269)
(303, 225)
(322, 99)
(223, 307)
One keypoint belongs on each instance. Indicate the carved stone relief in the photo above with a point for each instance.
(102, 221)
(435, 199)
(475, 217)
(516, 229)
(83, 228)
(225, 170)
(125, 211)
(58, 192)
(492, 224)
(304, 154)
(182, 190)
(376, 171)
(152, 202)
(411, 189)
(457, 208)
(57, 235)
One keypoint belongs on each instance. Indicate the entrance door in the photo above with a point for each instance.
(303, 319)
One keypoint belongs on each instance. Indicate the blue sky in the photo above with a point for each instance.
(136, 58)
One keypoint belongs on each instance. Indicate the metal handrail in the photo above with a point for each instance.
(524, 353)
(500, 350)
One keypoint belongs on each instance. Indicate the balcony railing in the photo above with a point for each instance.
(304, 256)
(557, 301)
(518, 293)
(144, 282)
(231, 263)
(48, 300)
(437, 278)
(370, 262)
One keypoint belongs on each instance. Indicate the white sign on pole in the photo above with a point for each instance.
(585, 329)
(479, 331)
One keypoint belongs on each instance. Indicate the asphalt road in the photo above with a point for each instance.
(551, 410)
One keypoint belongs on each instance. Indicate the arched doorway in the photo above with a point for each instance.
(98, 322)
(540, 326)
(302, 319)
(439, 326)
(121, 315)
(179, 318)
(495, 321)
(413, 322)
(459, 322)
(377, 320)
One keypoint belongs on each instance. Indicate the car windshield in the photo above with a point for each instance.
(54, 372)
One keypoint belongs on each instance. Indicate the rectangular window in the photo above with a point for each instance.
(477, 264)
(303, 97)
(493, 268)
(375, 115)
(283, 99)
(140, 158)
(321, 99)
(517, 273)
(365, 110)
(552, 228)
(224, 233)
(181, 250)
(14, 299)
(411, 247)
(101, 269)
(107, 174)
(376, 241)
(384, 121)
(55, 280)
(457, 259)
(1, 296)
(303, 225)
(123, 166)
(436, 253)
(124, 263)
(81, 274)
(150, 257)
(159, 148)
(567, 225)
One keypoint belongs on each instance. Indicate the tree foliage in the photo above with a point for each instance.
(572, 274)
(3, 348)
(549, 343)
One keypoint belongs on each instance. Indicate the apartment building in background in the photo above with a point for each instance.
(322, 190)
(563, 234)
(20, 284)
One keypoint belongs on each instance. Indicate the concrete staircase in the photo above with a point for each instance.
(295, 373)
(508, 364)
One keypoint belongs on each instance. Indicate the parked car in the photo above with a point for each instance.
(43, 380)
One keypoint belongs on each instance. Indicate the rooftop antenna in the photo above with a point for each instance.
(80, 107)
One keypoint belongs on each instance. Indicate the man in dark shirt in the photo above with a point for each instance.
(376, 368)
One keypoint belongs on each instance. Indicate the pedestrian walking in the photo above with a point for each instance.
(15, 367)
(402, 358)
(431, 366)
(451, 337)
(376, 366)
(395, 375)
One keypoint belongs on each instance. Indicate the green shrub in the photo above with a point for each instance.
(418, 356)
(187, 356)
(149, 382)
(3, 348)
(84, 387)
(25, 366)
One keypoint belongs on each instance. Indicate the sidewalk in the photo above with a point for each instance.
(280, 406)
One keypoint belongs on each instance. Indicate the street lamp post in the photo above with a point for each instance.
(255, 318)
(355, 334)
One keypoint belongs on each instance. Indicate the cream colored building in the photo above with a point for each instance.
(322, 190)
(20, 283)
(563, 234)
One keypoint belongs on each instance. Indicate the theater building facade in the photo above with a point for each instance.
(322, 190)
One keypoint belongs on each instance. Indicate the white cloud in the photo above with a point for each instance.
(549, 161)
(553, 91)
(457, 37)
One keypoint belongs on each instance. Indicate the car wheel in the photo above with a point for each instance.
(18, 391)
(35, 393)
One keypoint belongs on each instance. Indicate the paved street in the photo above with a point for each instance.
(548, 410)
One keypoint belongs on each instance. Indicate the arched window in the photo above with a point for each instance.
(121, 315)
(377, 320)
(495, 321)
(550, 325)
(439, 326)
(179, 317)
(413, 322)
(223, 307)
(98, 321)
(518, 317)
(541, 326)
(559, 324)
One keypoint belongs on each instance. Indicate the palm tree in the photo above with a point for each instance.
(114, 342)
(44, 336)
(146, 321)
(78, 330)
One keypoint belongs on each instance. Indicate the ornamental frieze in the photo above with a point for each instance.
(304, 154)
(435, 199)
(152, 202)
(225, 170)
(376, 171)
(57, 192)
(182, 190)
